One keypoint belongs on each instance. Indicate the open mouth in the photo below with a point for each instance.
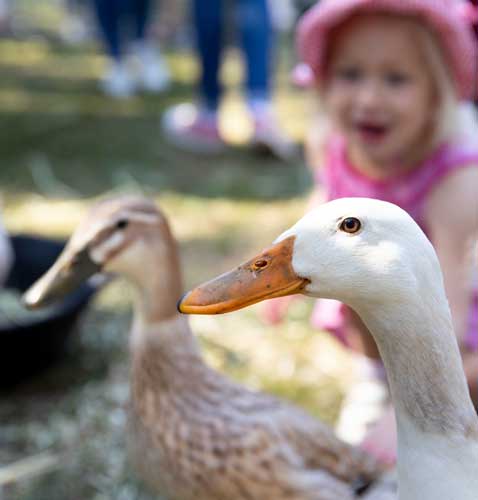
(370, 132)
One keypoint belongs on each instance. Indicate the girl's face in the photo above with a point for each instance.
(378, 90)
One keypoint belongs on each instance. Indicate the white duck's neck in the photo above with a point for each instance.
(437, 424)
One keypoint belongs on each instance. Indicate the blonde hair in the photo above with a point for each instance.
(454, 121)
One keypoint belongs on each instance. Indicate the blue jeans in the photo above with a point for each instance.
(255, 32)
(120, 21)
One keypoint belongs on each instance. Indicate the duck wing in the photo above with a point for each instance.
(313, 441)
(298, 446)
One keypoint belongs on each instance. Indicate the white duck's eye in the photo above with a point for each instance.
(122, 223)
(350, 225)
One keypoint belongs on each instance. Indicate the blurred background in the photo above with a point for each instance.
(68, 136)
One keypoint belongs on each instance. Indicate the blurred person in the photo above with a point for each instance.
(124, 27)
(393, 82)
(195, 127)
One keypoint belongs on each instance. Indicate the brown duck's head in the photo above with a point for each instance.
(122, 235)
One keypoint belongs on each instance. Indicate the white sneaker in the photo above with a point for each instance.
(151, 71)
(118, 81)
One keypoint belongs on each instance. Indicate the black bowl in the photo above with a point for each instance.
(31, 345)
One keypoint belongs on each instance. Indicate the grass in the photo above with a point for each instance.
(63, 144)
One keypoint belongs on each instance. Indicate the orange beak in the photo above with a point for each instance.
(268, 275)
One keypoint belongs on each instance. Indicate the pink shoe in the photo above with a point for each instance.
(191, 129)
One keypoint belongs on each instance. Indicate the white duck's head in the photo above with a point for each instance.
(354, 250)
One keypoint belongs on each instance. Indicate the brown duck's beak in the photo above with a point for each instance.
(268, 275)
(70, 271)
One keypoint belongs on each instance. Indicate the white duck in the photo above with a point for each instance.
(371, 255)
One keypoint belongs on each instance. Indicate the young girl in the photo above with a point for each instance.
(392, 77)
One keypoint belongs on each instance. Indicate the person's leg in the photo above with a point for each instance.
(115, 17)
(152, 72)
(207, 18)
(117, 82)
(195, 127)
(141, 16)
(108, 14)
(256, 38)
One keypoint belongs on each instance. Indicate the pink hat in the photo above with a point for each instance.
(444, 16)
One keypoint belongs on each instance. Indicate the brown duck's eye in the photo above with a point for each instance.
(122, 223)
(350, 225)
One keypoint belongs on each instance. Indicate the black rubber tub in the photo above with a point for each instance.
(31, 345)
